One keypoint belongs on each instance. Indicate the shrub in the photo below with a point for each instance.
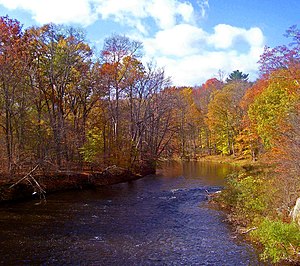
(246, 196)
(280, 240)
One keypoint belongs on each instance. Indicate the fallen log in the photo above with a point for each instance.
(33, 184)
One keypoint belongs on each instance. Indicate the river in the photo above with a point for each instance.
(157, 220)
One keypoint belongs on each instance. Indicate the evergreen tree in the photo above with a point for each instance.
(237, 76)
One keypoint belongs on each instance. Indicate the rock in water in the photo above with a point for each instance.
(296, 212)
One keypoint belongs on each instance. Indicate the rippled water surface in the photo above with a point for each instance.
(157, 220)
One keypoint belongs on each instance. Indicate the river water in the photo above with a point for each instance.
(157, 220)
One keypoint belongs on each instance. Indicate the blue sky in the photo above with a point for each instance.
(192, 40)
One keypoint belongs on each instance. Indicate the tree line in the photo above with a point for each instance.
(63, 104)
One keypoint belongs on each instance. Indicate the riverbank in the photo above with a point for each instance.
(232, 160)
(250, 200)
(33, 185)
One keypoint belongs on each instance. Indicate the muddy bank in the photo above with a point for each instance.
(34, 185)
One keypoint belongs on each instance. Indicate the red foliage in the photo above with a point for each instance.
(282, 57)
(212, 83)
(254, 91)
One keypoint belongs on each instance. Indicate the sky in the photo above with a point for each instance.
(192, 40)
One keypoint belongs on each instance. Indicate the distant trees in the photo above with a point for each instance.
(210, 117)
(225, 116)
(202, 97)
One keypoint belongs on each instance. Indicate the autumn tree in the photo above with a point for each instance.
(202, 97)
(249, 138)
(274, 113)
(132, 122)
(272, 106)
(149, 107)
(117, 56)
(225, 116)
(189, 121)
(283, 56)
(60, 71)
(13, 56)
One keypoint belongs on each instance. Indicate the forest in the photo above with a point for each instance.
(65, 106)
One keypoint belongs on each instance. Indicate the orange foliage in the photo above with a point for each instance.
(258, 87)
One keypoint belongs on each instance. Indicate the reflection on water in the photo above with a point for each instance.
(157, 220)
(209, 173)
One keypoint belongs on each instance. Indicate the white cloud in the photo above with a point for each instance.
(225, 35)
(196, 69)
(190, 55)
(165, 13)
(186, 11)
(57, 11)
(181, 40)
(255, 37)
(120, 9)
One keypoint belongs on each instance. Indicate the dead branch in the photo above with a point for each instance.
(25, 177)
(38, 185)
(33, 182)
(249, 230)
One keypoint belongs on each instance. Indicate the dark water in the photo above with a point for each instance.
(157, 220)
